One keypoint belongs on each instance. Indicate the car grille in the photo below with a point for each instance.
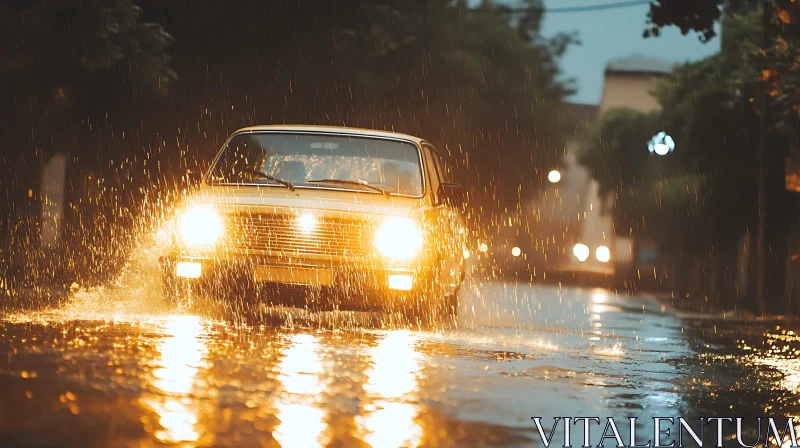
(281, 235)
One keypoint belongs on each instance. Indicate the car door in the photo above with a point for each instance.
(449, 227)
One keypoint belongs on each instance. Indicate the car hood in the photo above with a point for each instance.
(251, 197)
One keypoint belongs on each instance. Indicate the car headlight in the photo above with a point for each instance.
(200, 226)
(398, 238)
(602, 254)
(581, 251)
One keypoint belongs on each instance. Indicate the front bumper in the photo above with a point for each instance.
(364, 283)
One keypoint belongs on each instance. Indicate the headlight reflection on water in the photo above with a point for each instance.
(302, 422)
(179, 356)
(390, 419)
(599, 295)
(301, 366)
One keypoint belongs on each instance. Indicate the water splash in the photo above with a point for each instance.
(615, 351)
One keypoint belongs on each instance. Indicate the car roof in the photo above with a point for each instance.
(332, 130)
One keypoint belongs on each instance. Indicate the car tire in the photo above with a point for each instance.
(432, 311)
(180, 293)
(175, 291)
(451, 301)
(450, 306)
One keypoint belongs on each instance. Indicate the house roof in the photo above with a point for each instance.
(640, 64)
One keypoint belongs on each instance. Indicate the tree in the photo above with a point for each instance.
(654, 196)
(703, 197)
(779, 37)
(761, 41)
(469, 79)
(69, 58)
(483, 89)
(64, 68)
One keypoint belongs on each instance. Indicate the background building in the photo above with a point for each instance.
(570, 211)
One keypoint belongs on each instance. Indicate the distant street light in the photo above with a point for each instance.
(661, 144)
(554, 176)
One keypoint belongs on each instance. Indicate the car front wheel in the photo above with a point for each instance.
(173, 289)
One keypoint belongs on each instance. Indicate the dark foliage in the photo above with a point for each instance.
(140, 112)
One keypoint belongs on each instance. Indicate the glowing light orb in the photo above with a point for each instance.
(516, 251)
(200, 226)
(661, 144)
(399, 238)
(554, 176)
(306, 222)
(602, 254)
(581, 251)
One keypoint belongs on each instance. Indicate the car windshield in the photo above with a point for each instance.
(320, 161)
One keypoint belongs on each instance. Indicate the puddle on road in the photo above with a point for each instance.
(346, 377)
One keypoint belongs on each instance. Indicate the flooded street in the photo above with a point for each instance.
(579, 223)
(111, 371)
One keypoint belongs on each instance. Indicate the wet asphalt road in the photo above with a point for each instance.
(116, 367)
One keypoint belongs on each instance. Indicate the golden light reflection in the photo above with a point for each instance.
(778, 354)
(789, 367)
(389, 421)
(301, 425)
(179, 356)
(599, 295)
(600, 309)
(301, 365)
(302, 422)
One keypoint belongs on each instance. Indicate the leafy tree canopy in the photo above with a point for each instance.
(706, 189)
(487, 89)
(772, 48)
(484, 89)
(80, 77)
(62, 59)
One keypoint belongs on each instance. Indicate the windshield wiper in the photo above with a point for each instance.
(264, 175)
(361, 183)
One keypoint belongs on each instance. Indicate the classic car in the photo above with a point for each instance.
(351, 218)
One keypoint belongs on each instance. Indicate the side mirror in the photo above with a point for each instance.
(452, 194)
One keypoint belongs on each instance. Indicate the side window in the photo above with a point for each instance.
(437, 162)
(446, 177)
(430, 170)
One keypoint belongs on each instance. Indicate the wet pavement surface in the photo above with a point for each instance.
(116, 367)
